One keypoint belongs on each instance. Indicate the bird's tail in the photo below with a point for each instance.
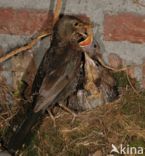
(22, 132)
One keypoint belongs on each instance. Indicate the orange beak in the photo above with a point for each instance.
(88, 40)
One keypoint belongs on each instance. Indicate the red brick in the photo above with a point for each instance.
(143, 68)
(26, 21)
(114, 60)
(124, 27)
(143, 83)
(23, 21)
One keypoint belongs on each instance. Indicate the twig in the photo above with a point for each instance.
(123, 69)
(111, 68)
(57, 11)
(33, 42)
(24, 48)
(132, 85)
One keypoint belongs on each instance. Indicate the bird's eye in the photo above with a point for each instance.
(95, 46)
(76, 24)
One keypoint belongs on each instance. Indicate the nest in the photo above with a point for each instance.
(93, 131)
(7, 109)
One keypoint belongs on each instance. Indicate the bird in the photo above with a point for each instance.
(57, 76)
(97, 86)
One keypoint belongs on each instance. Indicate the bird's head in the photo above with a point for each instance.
(72, 29)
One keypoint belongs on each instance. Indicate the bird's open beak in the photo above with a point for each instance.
(88, 38)
(86, 42)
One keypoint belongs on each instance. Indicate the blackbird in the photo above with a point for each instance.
(57, 75)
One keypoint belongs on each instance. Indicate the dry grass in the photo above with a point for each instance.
(117, 123)
(92, 133)
(8, 104)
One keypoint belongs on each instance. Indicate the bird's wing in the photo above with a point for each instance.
(39, 76)
(54, 83)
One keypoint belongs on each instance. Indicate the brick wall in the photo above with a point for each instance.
(119, 29)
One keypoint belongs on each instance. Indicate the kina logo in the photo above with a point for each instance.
(127, 150)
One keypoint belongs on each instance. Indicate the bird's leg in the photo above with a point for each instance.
(69, 111)
(52, 117)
